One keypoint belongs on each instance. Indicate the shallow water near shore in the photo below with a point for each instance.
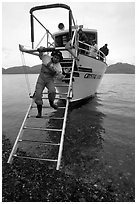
(99, 144)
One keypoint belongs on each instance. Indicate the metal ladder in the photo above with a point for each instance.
(24, 127)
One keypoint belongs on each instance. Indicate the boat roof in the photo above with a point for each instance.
(48, 7)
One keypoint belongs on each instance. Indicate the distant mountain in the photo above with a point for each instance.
(22, 70)
(121, 68)
(118, 68)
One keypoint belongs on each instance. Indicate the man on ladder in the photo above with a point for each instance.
(50, 69)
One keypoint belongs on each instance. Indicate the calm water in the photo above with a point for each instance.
(100, 135)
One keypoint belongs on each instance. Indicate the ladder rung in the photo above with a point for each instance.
(45, 117)
(66, 79)
(43, 129)
(35, 158)
(66, 62)
(61, 85)
(59, 107)
(43, 142)
(67, 59)
(56, 118)
(56, 98)
(67, 67)
(48, 98)
(50, 106)
(62, 98)
(62, 107)
(56, 93)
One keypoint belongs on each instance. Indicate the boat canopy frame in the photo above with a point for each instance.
(32, 17)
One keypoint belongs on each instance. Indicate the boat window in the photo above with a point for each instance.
(61, 40)
(91, 36)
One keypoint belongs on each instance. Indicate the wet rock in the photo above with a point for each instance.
(109, 181)
(95, 197)
(82, 200)
(95, 185)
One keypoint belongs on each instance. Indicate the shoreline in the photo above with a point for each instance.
(32, 181)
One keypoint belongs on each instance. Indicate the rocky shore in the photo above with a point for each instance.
(32, 181)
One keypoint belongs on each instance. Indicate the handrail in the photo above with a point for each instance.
(87, 51)
(104, 56)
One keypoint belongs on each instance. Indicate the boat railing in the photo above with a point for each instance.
(86, 50)
(47, 35)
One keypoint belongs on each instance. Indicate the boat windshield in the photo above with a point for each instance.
(61, 39)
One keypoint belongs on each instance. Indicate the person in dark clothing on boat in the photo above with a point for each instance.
(50, 69)
(82, 36)
(104, 50)
(84, 39)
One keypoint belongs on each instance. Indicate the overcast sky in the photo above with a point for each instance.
(115, 22)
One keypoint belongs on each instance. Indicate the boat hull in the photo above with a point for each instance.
(87, 80)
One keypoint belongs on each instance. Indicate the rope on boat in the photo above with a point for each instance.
(25, 73)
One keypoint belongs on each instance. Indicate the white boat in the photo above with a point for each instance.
(88, 69)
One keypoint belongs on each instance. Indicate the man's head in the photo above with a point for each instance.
(57, 56)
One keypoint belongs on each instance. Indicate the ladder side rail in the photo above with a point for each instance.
(19, 136)
(62, 136)
(76, 44)
(65, 118)
(73, 37)
(71, 81)
(73, 20)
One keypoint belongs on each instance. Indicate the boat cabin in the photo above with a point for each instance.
(62, 37)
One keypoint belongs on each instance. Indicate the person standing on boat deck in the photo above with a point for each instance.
(50, 69)
(84, 39)
(93, 49)
(105, 50)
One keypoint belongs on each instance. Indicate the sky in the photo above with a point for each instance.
(114, 21)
